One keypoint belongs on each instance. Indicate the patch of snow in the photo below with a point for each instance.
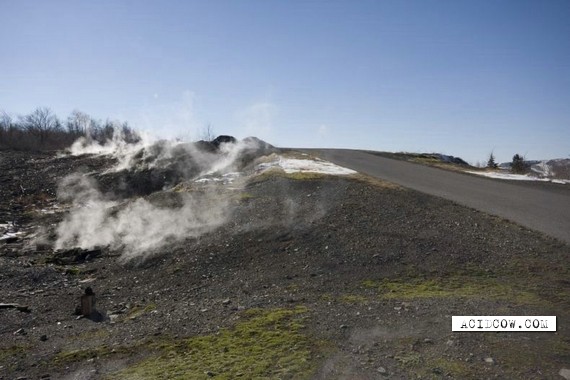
(7, 231)
(51, 210)
(9, 235)
(295, 165)
(542, 169)
(517, 177)
(224, 179)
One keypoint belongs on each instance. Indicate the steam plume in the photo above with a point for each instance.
(139, 226)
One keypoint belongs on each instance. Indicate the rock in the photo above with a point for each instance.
(43, 247)
(88, 302)
(565, 373)
(227, 301)
(24, 309)
(343, 326)
(428, 341)
(382, 371)
(10, 240)
(73, 256)
(43, 338)
(20, 331)
(489, 360)
(223, 139)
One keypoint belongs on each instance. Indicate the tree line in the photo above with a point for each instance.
(518, 164)
(42, 130)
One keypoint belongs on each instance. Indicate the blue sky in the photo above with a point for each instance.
(458, 77)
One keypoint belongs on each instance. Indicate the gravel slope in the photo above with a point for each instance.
(312, 277)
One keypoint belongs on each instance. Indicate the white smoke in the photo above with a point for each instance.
(139, 226)
(118, 147)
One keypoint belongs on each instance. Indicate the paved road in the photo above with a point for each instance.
(542, 207)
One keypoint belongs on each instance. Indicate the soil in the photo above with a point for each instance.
(313, 276)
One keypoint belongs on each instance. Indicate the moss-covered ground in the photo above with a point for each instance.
(265, 344)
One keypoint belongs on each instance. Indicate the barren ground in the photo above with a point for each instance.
(313, 277)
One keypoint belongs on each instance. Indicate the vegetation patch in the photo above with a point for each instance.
(374, 181)
(139, 310)
(426, 366)
(427, 363)
(410, 359)
(243, 197)
(267, 344)
(299, 176)
(73, 271)
(517, 352)
(353, 299)
(11, 353)
(73, 356)
(454, 287)
(183, 187)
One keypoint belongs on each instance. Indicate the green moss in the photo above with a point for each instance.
(453, 287)
(277, 172)
(139, 310)
(73, 356)
(74, 271)
(305, 175)
(456, 368)
(11, 352)
(91, 335)
(183, 187)
(11, 356)
(267, 344)
(245, 196)
(409, 359)
(519, 352)
(429, 364)
(353, 299)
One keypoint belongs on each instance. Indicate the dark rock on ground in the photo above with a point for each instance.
(74, 256)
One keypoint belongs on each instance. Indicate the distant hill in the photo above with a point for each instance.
(558, 168)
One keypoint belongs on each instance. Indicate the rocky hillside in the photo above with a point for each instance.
(554, 169)
(241, 261)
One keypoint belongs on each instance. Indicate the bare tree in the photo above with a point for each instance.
(42, 130)
(40, 122)
(207, 133)
(79, 123)
(5, 121)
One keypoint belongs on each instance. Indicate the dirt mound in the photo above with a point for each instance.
(164, 164)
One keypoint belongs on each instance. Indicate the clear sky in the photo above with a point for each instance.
(458, 77)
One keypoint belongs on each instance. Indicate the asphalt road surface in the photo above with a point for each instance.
(540, 206)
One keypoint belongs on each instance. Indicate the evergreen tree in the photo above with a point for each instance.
(518, 165)
(491, 164)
